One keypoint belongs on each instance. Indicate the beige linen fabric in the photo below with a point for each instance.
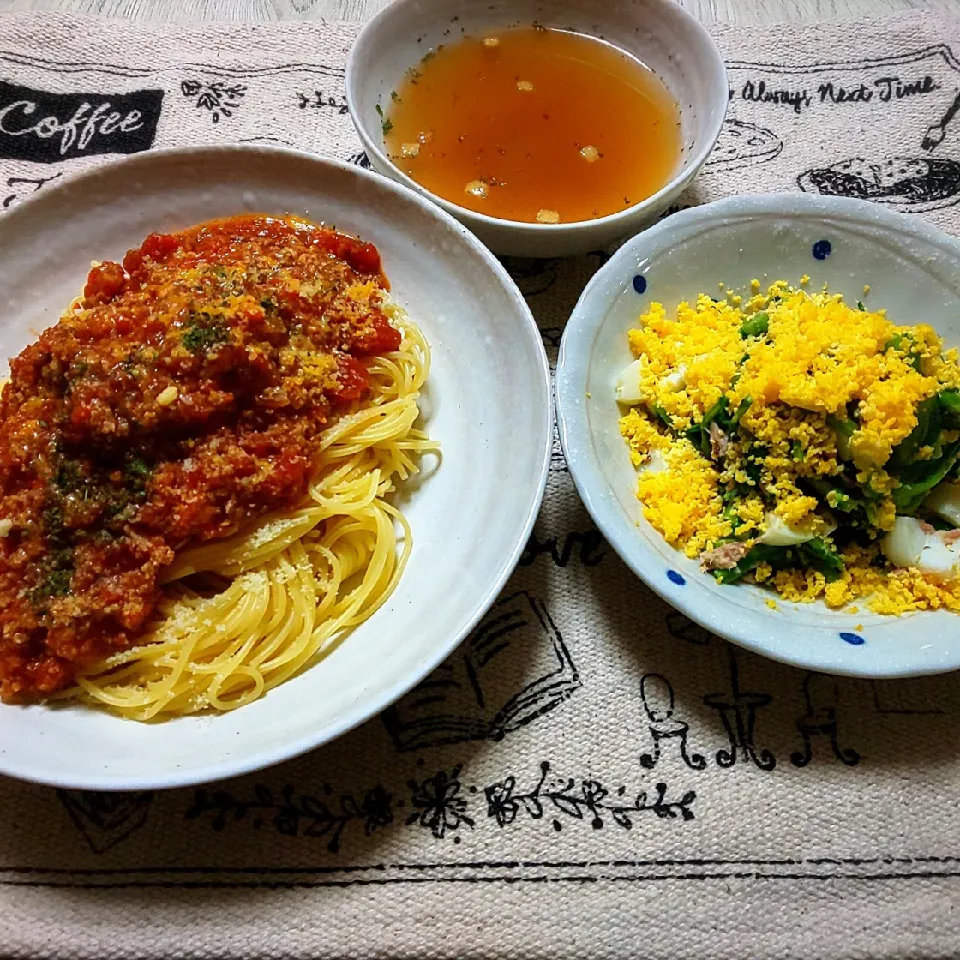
(590, 775)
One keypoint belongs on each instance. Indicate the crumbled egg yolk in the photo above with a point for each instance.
(821, 356)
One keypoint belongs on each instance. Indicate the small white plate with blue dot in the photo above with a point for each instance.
(912, 270)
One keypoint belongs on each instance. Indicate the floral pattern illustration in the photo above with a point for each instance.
(586, 800)
(291, 815)
(439, 805)
(219, 98)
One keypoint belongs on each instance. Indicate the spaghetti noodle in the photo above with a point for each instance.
(265, 548)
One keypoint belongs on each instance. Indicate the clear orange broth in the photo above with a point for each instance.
(544, 120)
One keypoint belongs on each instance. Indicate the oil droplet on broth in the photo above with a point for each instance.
(540, 126)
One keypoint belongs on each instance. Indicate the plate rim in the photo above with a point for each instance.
(364, 710)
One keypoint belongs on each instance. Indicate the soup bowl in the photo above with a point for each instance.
(658, 33)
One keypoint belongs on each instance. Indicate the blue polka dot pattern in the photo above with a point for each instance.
(821, 250)
(854, 639)
(676, 578)
(640, 283)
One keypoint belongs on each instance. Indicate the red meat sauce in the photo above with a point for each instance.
(182, 396)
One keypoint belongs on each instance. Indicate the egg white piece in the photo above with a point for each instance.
(909, 545)
(655, 463)
(628, 391)
(945, 501)
(675, 381)
(903, 545)
(779, 533)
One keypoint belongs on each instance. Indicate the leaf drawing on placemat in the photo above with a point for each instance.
(294, 815)
(586, 800)
(218, 97)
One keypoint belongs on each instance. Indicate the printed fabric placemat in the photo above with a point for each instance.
(608, 779)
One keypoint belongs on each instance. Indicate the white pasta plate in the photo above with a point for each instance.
(487, 402)
(912, 269)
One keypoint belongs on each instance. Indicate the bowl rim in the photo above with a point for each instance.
(365, 709)
(622, 218)
(570, 380)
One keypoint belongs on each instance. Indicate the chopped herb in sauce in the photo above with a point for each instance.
(203, 334)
